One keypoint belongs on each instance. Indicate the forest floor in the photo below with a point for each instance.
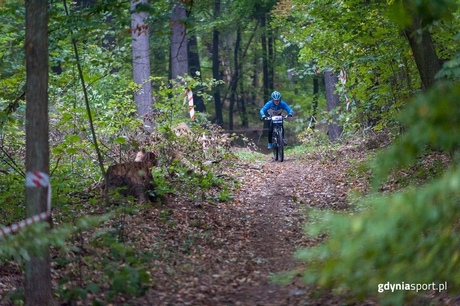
(210, 253)
(223, 253)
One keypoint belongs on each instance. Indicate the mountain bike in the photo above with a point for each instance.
(278, 141)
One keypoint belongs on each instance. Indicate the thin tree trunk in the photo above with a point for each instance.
(216, 66)
(244, 113)
(255, 79)
(233, 89)
(263, 39)
(242, 109)
(265, 77)
(195, 70)
(38, 270)
(141, 62)
(271, 60)
(315, 101)
(334, 130)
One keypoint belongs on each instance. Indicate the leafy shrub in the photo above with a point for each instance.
(193, 154)
(411, 236)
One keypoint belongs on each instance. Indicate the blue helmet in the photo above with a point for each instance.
(276, 95)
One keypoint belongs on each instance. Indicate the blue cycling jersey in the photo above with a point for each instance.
(271, 107)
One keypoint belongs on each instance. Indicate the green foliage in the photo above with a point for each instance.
(430, 10)
(75, 293)
(338, 34)
(123, 269)
(362, 39)
(102, 54)
(249, 156)
(313, 138)
(12, 69)
(432, 120)
(191, 153)
(73, 160)
(451, 69)
(191, 165)
(35, 239)
(127, 279)
(12, 208)
(105, 57)
(410, 236)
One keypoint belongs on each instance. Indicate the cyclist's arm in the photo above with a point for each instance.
(287, 108)
(263, 110)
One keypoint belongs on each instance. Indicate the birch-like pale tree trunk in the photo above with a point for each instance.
(141, 62)
(179, 56)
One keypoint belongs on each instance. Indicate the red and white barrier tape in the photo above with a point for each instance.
(35, 180)
(343, 76)
(347, 101)
(188, 98)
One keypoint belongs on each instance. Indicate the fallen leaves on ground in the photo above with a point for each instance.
(207, 253)
(225, 253)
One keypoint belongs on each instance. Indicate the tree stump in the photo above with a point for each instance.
(133, 178)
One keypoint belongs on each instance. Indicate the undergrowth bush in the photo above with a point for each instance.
(407, 237)
(192, 154)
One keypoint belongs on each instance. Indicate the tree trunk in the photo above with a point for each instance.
(243, 111)
(216, 66)
(179, 56)
(141, 62)
(265, 63)
(271, 60)
(255, 79)
(332, 101)
(424, 51)
(195, 70)
(233, 93)
(38, 270)
(315, 102)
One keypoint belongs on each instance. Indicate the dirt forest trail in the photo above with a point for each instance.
(256, 236)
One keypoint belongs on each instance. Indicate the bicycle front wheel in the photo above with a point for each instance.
(275, 144)
(280, 146)
(275, 152)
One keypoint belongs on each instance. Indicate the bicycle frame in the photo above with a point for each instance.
(277, 137)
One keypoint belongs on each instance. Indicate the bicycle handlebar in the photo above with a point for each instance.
(270, 117)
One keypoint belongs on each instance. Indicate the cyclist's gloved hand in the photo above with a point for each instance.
(290, 115)
(262, 118)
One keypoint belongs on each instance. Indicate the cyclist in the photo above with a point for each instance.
(274, 107)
